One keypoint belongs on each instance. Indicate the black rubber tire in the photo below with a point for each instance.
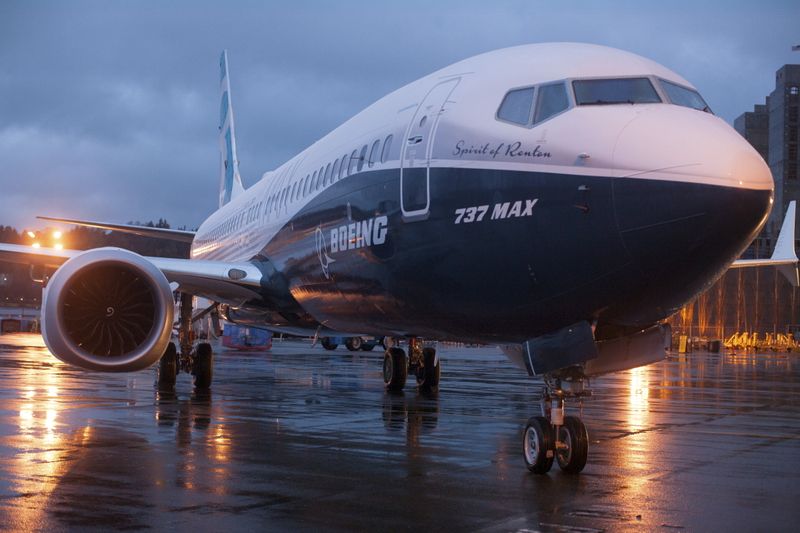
(537, 445)
(574, 434)
(395, 369)
(203, 366)
(367, 347)
(428, 376)
(353, 343)
(168, 367)
(328, 345)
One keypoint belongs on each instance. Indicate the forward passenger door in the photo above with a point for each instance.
(416, 152)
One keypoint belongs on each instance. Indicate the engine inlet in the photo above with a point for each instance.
(108, 309)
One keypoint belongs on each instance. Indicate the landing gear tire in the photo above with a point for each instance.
(353, 343)
(428, 375)
(328, 344)
(537, 445)
(367, 347)
(395, 369)
(168, 367)
(203, 366)
(573, 445)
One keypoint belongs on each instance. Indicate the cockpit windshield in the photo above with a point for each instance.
(615, 91)
(684, 96)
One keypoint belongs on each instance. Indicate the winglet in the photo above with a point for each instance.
(230, 180)
(784, 247)
(783, 257)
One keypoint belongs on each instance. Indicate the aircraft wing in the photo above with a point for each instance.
(221, 281)
(27, 255)
(783, 256)
(144, 231)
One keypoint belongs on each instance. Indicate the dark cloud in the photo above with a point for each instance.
(108, 109)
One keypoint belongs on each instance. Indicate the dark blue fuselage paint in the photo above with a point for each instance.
(619, 251)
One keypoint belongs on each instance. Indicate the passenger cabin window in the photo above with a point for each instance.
(362, 157)
(343, 166)
(327, 176)
(335, 171)
(373, 154)
(387, 144)
(684, 96)
(615, 91)
(551, 100)
(351, 166)
(516, 106)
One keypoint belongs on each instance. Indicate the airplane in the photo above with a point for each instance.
(558, 200)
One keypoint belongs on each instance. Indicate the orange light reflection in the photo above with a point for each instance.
(40, 457)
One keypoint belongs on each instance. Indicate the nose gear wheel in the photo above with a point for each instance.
(554, 436)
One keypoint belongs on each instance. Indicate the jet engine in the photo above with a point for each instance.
(107, 309)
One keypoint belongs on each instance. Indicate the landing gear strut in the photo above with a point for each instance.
(196, 360)
(554, 436)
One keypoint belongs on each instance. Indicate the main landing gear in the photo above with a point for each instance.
(196, 360)
(554, 436)
(421, 363)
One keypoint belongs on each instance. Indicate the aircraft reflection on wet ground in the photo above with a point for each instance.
(301, 438)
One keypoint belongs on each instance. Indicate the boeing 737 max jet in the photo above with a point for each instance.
(558, 200)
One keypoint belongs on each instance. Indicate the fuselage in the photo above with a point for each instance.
(501, 198)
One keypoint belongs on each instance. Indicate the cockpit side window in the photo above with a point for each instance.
(615, 91)
(516, 106)
(552, 99)
(684, 96)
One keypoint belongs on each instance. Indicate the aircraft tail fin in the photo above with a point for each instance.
(230, 180)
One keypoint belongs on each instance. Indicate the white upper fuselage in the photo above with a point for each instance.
(652, 141)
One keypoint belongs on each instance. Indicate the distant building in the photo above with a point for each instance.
(773, 130)
(754, 126)
(784, 127)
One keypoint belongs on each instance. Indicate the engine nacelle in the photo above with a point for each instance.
(108, 309)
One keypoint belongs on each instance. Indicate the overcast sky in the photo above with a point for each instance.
(108, 110)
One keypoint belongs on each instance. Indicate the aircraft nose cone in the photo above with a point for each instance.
(682, 226)
(672, 142)
(680, 237)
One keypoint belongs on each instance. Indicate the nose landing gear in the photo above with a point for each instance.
(554, 436)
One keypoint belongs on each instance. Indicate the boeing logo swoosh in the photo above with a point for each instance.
(325, 260)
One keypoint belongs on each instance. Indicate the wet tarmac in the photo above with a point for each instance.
(303, 439)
